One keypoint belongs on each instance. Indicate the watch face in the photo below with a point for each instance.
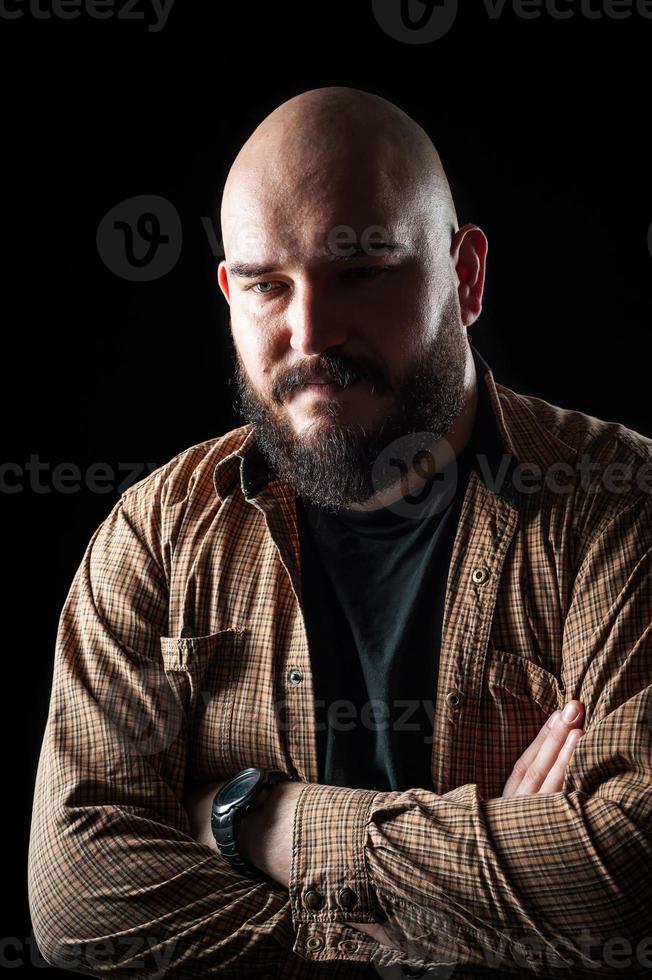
(240, 787)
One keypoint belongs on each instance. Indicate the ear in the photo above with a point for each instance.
(469, 256)
(223, 280)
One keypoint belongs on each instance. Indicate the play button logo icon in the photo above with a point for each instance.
(415, 21)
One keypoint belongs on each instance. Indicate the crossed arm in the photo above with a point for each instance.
(266, 832)
(109, 825)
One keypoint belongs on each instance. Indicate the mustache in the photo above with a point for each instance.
(341, 371)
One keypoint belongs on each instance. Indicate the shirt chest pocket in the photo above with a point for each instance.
(223, 683)
(518, 696)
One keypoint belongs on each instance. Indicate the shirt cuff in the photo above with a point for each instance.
(329, 883)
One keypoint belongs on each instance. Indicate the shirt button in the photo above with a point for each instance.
(347, 898)
(348, 945)
(313, 900)
(454, 699)
(525, 951)
(295, 676)
(315, 942)
(479, 575)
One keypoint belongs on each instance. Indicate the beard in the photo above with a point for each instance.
(332, 464)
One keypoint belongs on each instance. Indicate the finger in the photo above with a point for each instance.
(375, 931)
(386, 941)
(530, 754)
(554, 781)
(547, 755)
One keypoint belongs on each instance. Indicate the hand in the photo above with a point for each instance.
(542, 767)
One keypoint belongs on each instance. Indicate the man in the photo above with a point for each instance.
(390, 522)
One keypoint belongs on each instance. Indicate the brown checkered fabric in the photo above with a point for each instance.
(182, 656)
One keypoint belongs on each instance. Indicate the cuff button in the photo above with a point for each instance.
(348, 945)
(313, 899)
(315, 942)
(347, 898)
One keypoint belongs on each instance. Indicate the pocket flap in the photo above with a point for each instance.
(187, 652)
(523, 680)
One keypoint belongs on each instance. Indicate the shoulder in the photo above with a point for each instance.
(602, 467)
(182, 488)
(579, 431)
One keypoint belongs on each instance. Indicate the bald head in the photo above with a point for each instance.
(339, 154)
(350, 289)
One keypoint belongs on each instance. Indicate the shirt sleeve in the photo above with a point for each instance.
(116, 883)
(529, 883)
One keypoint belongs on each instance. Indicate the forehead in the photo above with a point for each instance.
(337, 241)
(277, 225)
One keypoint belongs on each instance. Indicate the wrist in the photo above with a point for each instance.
(251, 826)
(266, 840)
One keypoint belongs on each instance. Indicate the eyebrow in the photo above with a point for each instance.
(245, 270)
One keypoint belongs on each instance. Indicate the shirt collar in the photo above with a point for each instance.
(506, 433)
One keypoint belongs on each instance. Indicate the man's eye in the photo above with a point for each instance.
(263, 292)
(267, 286)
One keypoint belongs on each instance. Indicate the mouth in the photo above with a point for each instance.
(323, 384)
(327, 387)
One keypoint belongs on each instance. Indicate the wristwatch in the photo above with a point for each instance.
(235, 798)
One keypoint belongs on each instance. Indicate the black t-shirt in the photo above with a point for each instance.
(374, 585)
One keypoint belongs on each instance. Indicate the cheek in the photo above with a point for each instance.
(255, 349)
(402, 303)
(246, 340)
(394, 327)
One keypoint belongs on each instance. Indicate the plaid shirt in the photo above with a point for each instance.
(182, 656)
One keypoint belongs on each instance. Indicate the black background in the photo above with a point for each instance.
(543, 126)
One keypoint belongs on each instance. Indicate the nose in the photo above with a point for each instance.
(313, 322)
